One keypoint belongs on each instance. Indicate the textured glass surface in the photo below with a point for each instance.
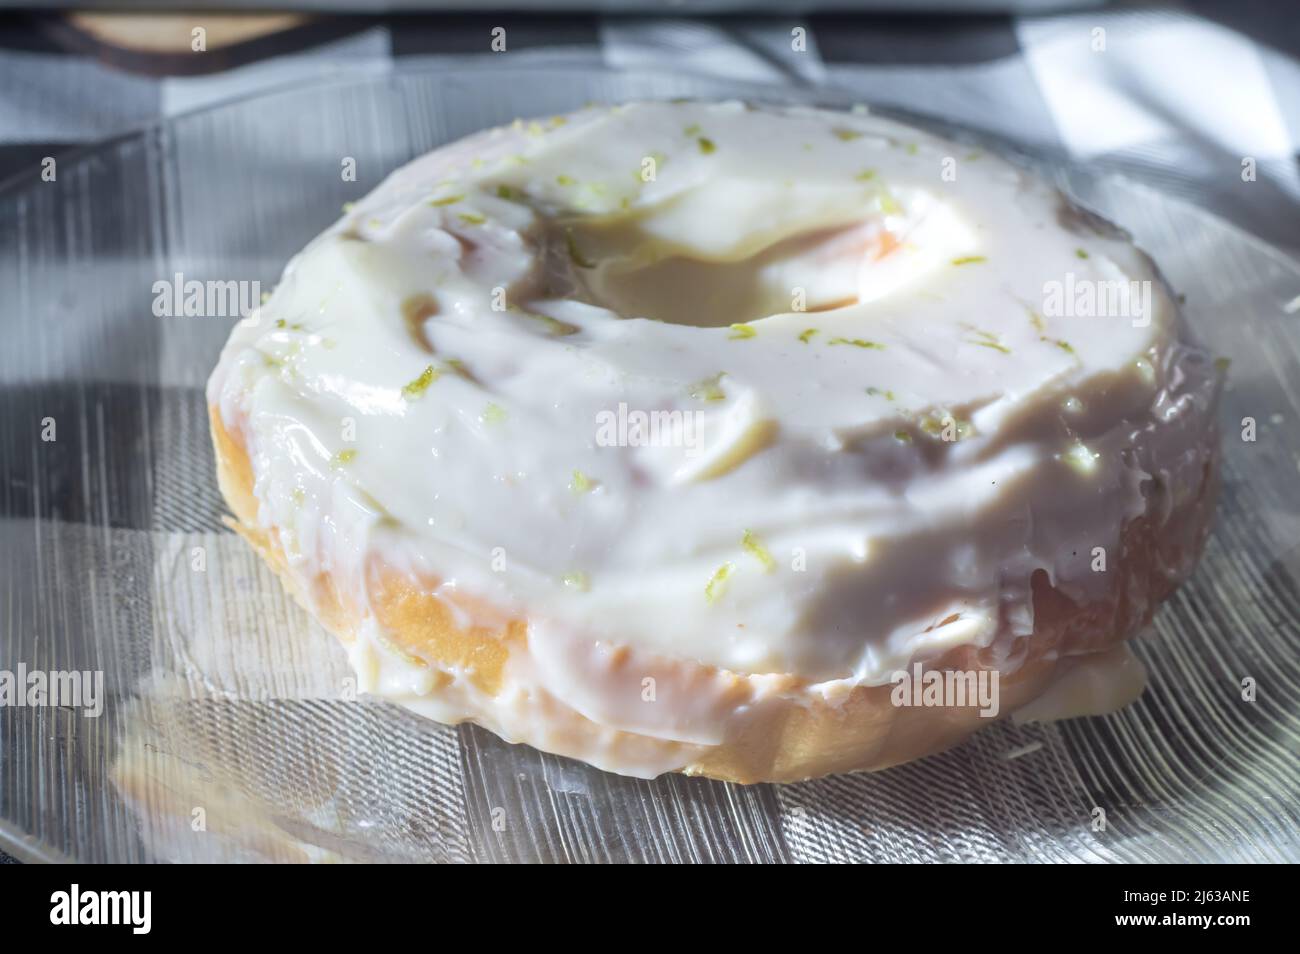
(228, 731)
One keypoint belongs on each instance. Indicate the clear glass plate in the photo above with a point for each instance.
(228, 731)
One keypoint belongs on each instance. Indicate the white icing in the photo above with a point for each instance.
(1097, 684)
(828, 447)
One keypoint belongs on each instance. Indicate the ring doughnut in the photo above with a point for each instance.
(695, 436)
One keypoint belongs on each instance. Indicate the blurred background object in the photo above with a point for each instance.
(1201, 99)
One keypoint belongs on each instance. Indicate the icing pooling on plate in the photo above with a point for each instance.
(436, 376)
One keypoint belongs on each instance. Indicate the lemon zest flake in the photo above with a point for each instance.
(936, 425)
(714, 589)
(1080, 459)
(576, 580)
(755, 548)
(580, 483)
(421, 384)
(710, 389)
(987, 339)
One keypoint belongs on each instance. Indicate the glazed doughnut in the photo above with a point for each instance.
(666, 436)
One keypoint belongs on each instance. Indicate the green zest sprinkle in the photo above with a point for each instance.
(342, 458)
(472, 218)
(988, 340)
(575, 255)
(857, 343)
(692, 130)
(349, 206)
(1080, 253)
(741, 331)
(935, 425)
(508, 193)
(889, 205)
(580, 483)
(706, 145)
(807, 334)
(969, 260)
(1081, 459)
(911, 148)
(847, 135)
(1063, 345)
(866, 175)
(298, 496)
(1222, 364)
(717, 583)
(903, 436)
(710, 389)
(493, 414)
(448, 200)
(876, 392)
(420, 384)
(576, 580)
(564, 181)
(755, 548)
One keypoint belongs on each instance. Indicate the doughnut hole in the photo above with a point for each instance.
(815, 271)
